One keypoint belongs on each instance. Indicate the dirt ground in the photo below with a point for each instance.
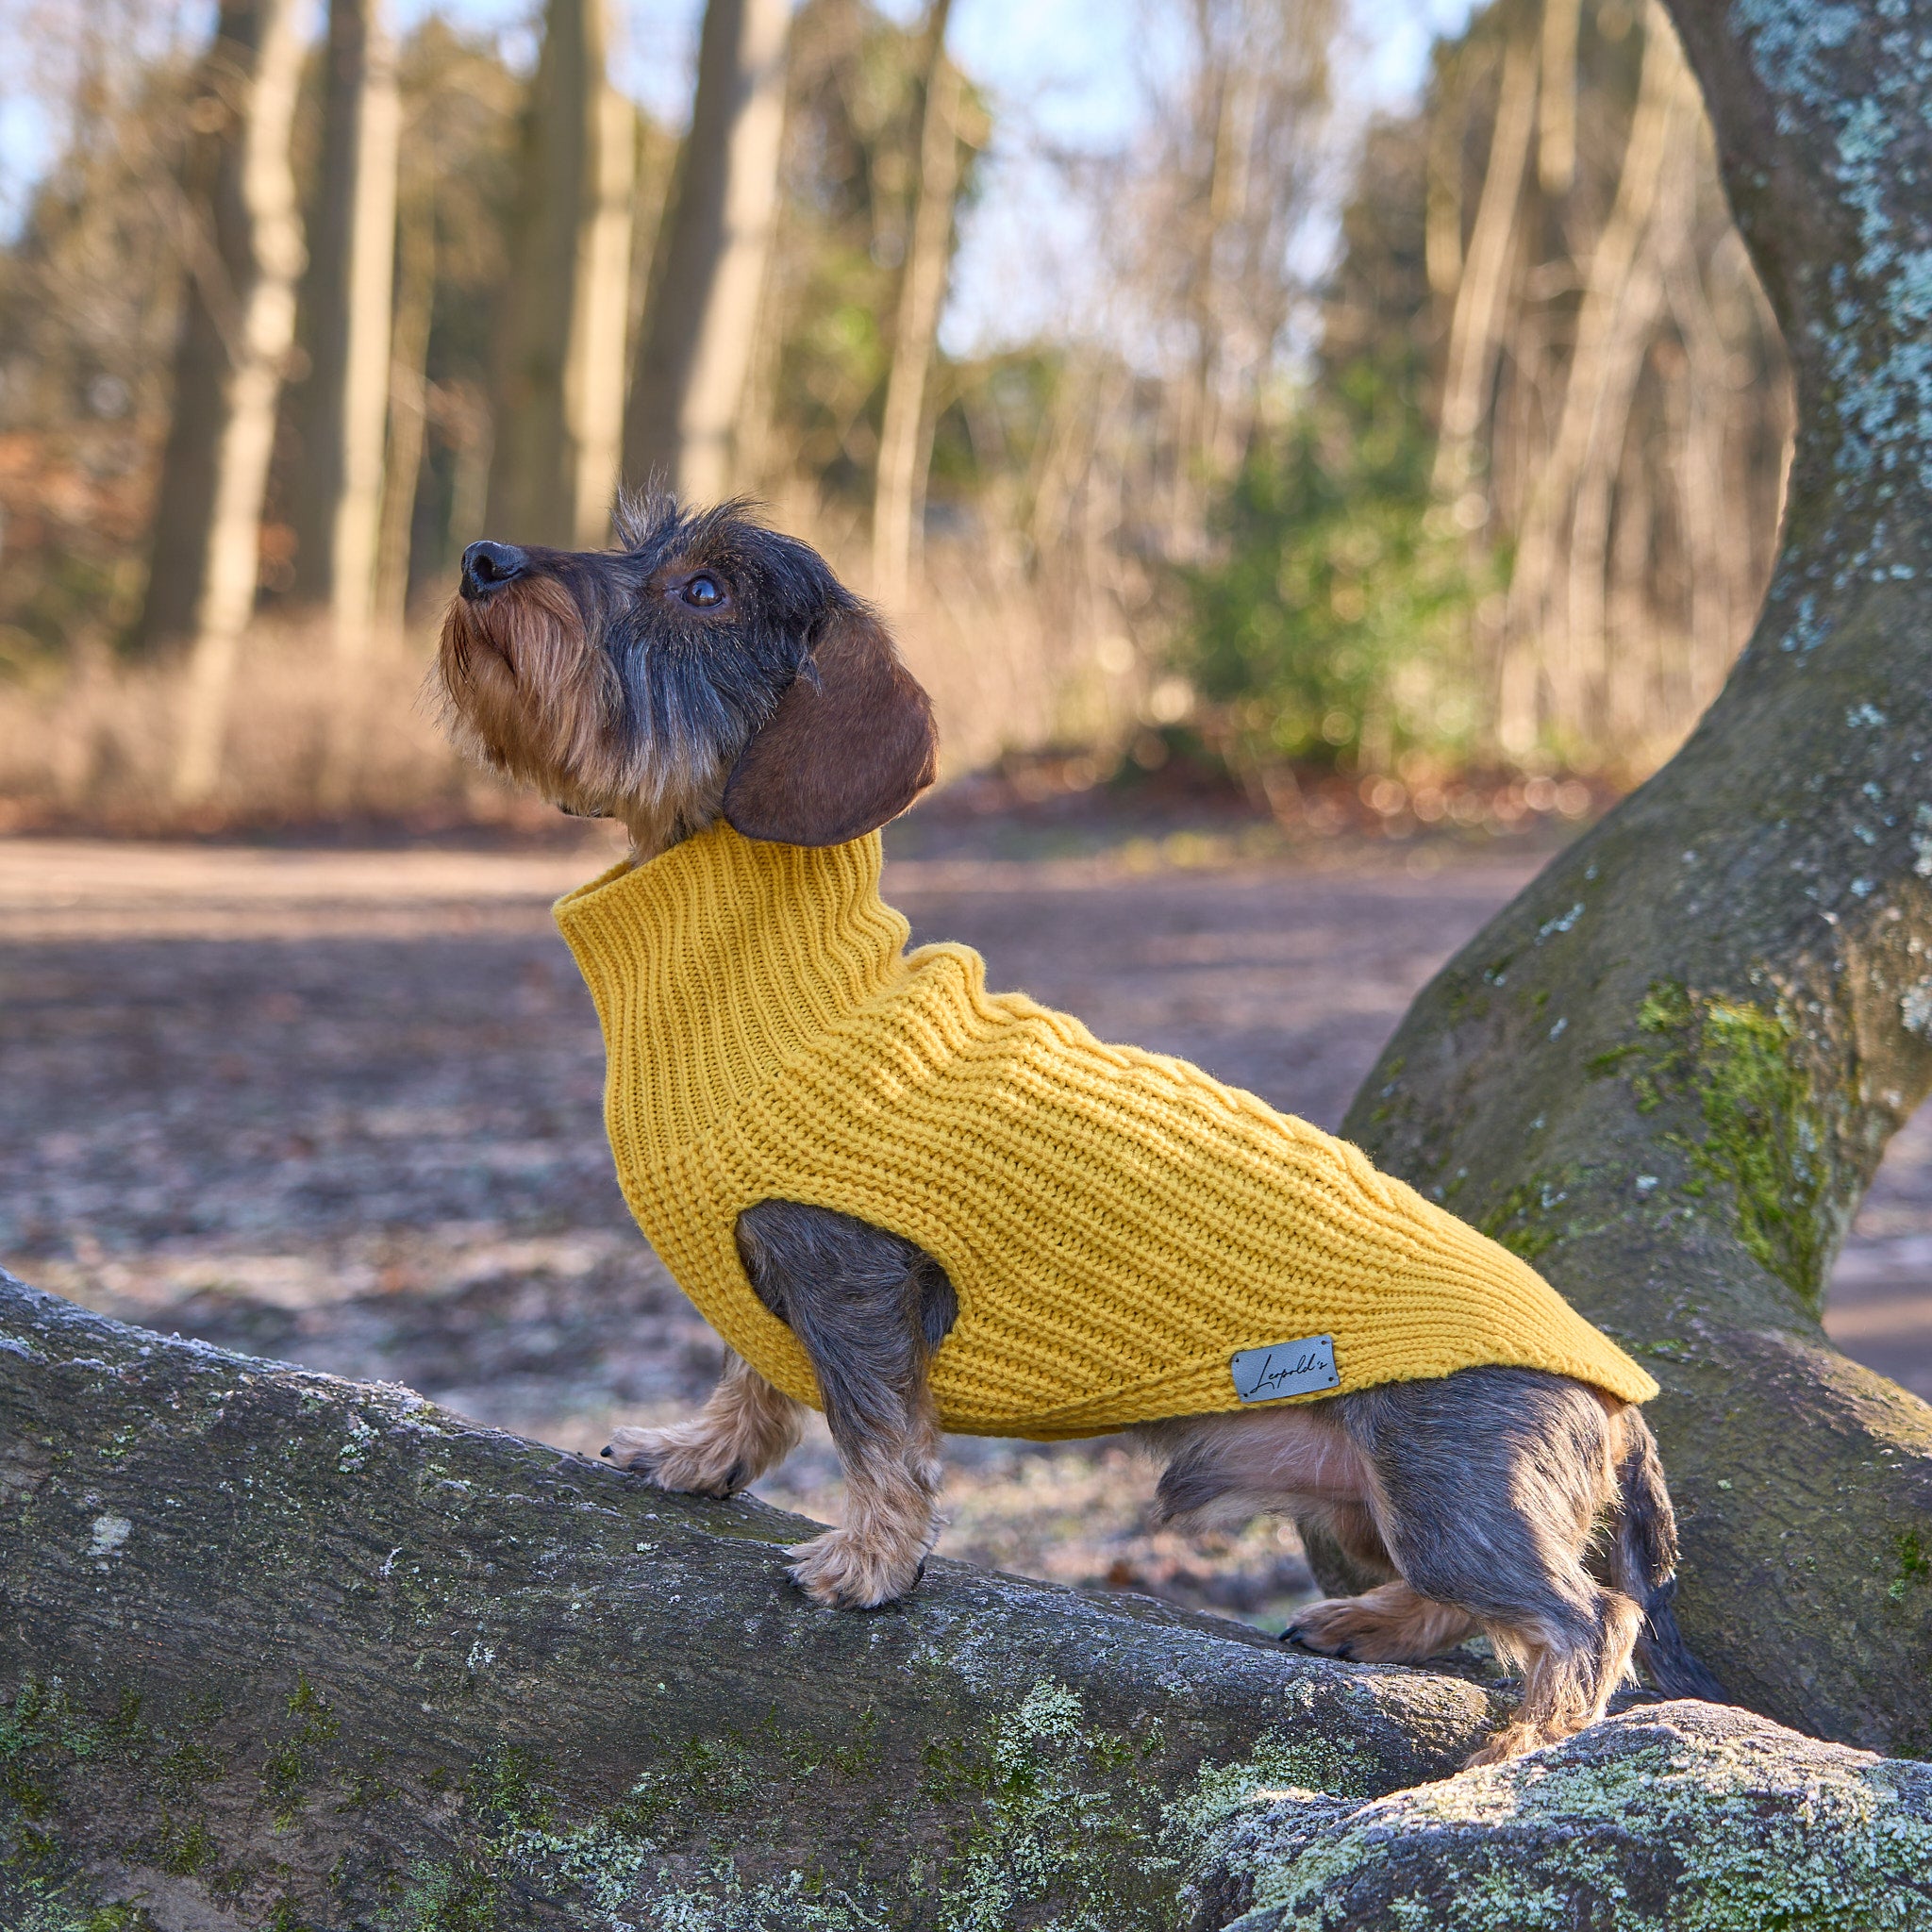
(343, 1108)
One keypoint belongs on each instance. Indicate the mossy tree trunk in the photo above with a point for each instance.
(1667, 1073)
(277, 1650)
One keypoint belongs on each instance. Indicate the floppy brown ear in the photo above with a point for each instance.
(847, 748)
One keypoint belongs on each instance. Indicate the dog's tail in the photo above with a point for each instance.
(1643, 1564)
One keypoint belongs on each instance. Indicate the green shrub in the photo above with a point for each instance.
(1333, 626)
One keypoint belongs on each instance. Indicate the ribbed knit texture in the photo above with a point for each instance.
(1117, 1224)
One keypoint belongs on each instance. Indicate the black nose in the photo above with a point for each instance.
(489, 566)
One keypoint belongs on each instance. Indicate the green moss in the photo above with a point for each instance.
(41, 1734)
(1913, 1565)
(1525, 1220)
(289, 1768)
(1759, 1134)
(440, 1898)
(50, 1913)
(183, 1850)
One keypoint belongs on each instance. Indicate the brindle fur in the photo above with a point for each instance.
(1489, 1500)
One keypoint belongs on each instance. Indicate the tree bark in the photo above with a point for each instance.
(1556, 147)
(701, 324)
(1667, 1073)
(279, 1648)
(1474, 323)
(345, 398)
(898, 505)
(1691, 1815)
(245, 253)
(560, 347)
(409, 392)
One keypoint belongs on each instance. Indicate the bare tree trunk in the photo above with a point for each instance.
(238, 326)
(1717, 506)
(702, 320)
(596, 368)
(1545, 615)
(1581, 694)
(898, 504)
(1442, 208)
(1555, 151)
(345, 398)
(560, 340)
(409, 394)
(1475, 328)
(1669, 1069)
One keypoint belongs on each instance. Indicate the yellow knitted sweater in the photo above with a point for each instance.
(1119, 1228)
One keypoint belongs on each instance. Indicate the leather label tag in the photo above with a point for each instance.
(1287, 1367)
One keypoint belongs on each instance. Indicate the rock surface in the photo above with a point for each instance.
(1680, 1816)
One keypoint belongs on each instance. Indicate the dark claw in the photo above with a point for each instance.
(735, 1480)
(1293, 1634)
(604, 1451)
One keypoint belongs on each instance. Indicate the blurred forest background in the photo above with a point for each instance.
(1423, 468)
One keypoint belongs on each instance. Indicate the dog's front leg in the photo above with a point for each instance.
(742, 1430)
(869, 1308)
(892, 1472)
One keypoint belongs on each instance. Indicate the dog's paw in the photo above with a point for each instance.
(1389, 1626)
(1335, 1626)
(1513, 1740)
(668, 1459)
(845, 1569)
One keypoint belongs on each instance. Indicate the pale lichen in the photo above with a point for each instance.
(1648, 1822)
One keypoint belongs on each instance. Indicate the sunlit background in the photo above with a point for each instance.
(1317, 453)
(1311, 392)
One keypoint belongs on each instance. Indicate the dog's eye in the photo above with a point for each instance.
(703, 592)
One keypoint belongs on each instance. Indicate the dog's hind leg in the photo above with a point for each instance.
(1389, 1625)
(869, 1309)
(742, 1430)
(1489, 1487)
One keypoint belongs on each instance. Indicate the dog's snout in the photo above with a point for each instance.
(489, 566)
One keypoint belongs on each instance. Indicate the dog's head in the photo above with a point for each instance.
(707, 666)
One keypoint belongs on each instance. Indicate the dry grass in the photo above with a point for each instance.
(92, 745)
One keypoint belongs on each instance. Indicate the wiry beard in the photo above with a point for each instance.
(527, 692)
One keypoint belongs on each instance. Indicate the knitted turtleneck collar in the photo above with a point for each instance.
(1123, 1231)
(740, 952)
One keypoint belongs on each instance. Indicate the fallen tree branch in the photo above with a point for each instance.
(283, 1650)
